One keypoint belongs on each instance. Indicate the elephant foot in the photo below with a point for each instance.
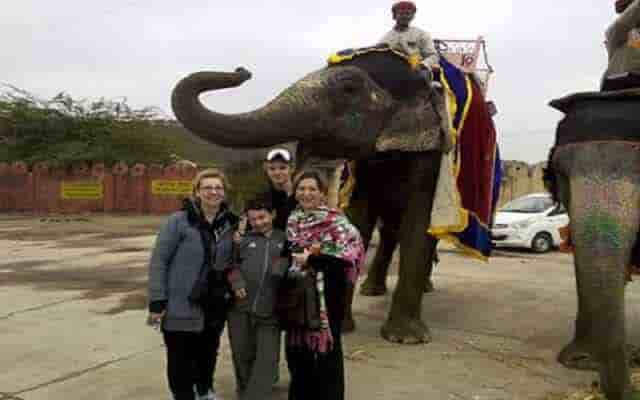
(428, 287)
(406, 331)
(577, 356)
(348, 325)
(372, 290)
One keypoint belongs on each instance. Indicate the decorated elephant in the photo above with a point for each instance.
(594, 170)
(372, 107)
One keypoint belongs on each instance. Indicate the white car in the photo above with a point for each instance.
(532, 221)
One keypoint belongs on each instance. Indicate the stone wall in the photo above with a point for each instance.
(520, 178)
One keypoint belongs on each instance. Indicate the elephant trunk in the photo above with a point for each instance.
(604, 194)
(601, 282)
(287, 118)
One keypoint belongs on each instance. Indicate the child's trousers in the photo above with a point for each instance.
(255, 345)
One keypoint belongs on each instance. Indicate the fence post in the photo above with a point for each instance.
(137, 186)
(22, 193)
(121, 187)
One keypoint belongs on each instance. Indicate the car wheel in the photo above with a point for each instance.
(542, 242)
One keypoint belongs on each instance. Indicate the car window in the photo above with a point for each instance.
(559, 210)
(528, 205)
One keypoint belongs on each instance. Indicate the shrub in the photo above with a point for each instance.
(64, 130)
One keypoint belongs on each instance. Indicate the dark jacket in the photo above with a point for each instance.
(259, 270)
(283, 205)
(180, 261)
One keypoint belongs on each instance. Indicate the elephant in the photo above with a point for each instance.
(594, 170)
(340, 112)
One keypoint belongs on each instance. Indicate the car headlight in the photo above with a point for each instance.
(523, 224)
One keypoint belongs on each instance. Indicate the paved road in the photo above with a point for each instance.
(72, 313)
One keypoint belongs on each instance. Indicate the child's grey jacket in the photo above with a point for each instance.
(259, 272)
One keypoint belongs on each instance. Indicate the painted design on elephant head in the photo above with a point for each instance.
(605, 210)
(601, 228)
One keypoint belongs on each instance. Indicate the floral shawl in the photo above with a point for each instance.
(329, 228)
(337, 237)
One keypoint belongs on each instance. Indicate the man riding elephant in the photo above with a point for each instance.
(623, 48)
(408, 39)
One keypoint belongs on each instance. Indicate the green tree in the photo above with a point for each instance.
(64, 130)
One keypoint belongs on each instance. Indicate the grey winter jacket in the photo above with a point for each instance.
(259, 272)
(175, 265)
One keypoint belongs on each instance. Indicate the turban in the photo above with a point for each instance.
(404, 5)
(622, 5)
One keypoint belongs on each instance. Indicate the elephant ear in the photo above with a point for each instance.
(419, 124)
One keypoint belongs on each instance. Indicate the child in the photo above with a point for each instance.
(253, 330)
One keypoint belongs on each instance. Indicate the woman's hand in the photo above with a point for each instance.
(155, 319)
(240, 293)
(242, 229)
(237, 237)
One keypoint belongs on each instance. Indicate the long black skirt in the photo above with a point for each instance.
(316, 376)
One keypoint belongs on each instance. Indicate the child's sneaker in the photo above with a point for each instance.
(210, 395)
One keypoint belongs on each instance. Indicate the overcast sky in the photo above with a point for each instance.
(138, 49)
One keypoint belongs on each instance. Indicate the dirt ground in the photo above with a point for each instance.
(72, 311)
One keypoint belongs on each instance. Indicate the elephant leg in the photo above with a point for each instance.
(359, 213)
(428, 284)
(376, 282)
(603, 181)
(579, 353)
(404, 324)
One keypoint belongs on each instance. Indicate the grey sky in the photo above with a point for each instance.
(139, 49)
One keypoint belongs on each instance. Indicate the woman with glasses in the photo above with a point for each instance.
(188, 293)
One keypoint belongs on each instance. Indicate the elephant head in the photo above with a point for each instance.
(336, 111)
(595, 166)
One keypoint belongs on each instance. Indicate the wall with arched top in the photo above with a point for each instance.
(136, 188)
(519, 179)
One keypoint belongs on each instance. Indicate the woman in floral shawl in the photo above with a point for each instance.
(333, 252)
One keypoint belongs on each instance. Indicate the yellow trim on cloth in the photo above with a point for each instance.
(344, 195)
(448, 216)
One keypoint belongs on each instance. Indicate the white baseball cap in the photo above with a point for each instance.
(282, 154)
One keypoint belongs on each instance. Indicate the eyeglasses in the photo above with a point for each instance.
(279, 153)
(211, 188)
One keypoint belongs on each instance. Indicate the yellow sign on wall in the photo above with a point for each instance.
(166, 187)
(81, 190)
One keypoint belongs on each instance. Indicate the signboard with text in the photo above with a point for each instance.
(170, 187)
(81, 190)
(467, 55)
